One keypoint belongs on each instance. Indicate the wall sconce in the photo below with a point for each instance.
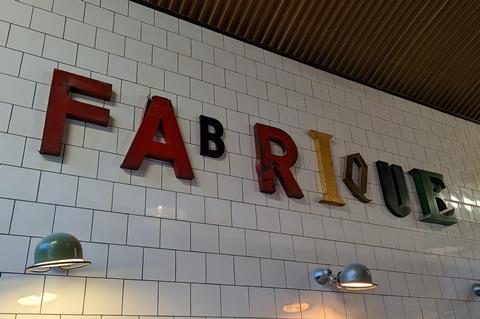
(353, 277)
(60, 250)
(476, 289)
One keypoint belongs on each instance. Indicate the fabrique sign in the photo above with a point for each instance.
(159, 114)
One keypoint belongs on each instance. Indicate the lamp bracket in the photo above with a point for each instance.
(324, 275)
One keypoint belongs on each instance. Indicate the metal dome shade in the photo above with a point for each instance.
(476, 289)
(355, 277)
(58, 250)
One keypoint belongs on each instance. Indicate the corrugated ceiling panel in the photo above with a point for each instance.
(424, 50)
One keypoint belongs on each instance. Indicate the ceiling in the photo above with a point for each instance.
(425, 50)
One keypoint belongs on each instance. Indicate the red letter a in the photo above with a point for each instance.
(268, 164)
(60, 106)
(159, 114)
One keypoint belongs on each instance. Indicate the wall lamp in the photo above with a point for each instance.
(58, 250)
(476, 289)
(352, 277)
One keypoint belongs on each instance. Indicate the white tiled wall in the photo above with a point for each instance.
(216, 246)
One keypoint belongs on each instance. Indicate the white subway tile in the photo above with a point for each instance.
(120, 6)
(47, 22)
(173, 299)
(220, 269)
(262, 302)
(213, 74)
(202, 91)
(103, 296)
(98, 17)
(189, 67)
(126, 26)
(15, 287)
(154, 35)
(204, 237)
(235, 301)
(190, 266)
(217, 211)
(92, 59)
(69, 294)
(175, 234)
(18, 183)
(125, 69)
(57, 189)
(75, 221)
(177, 84)
(60, 50)
(190, 30)
(205, 183)
(160, 203)
(110, 42)
(266, 73)
(33, 159)
(6, 211)
(141, 12)
(100, 138)
(166, 21)
(25, 40)
(159, 264)
(70, 8)
(190, 207)
(165, 59)
(178, 43)
(226, 98)
(124, 262)
(16, 248)
(13, 149)
(247, 271)
(245, 66)
(129, 199)
(32, 219)
(205, 300)
(235, 46)
(4, 29)
(232, 241)
(202, 51)
(37, 69)
(143, 231)
(10, 61)
(212, 38)
(140, 297)
(109, 227)
(134, 94)
(257, 243)
(15, 12)
(94, 194)
(171, 182)
(139, 51)
(80, 161)
(273, 273)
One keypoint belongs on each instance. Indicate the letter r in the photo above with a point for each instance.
(269, 165)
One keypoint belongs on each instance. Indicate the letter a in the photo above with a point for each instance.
(61, 106)
(269, 165)
(159, 114)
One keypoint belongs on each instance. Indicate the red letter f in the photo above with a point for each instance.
(61, 106)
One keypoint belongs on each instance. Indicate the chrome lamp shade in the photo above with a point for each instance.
(352, 277)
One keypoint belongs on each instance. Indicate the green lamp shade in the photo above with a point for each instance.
(60, 250)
